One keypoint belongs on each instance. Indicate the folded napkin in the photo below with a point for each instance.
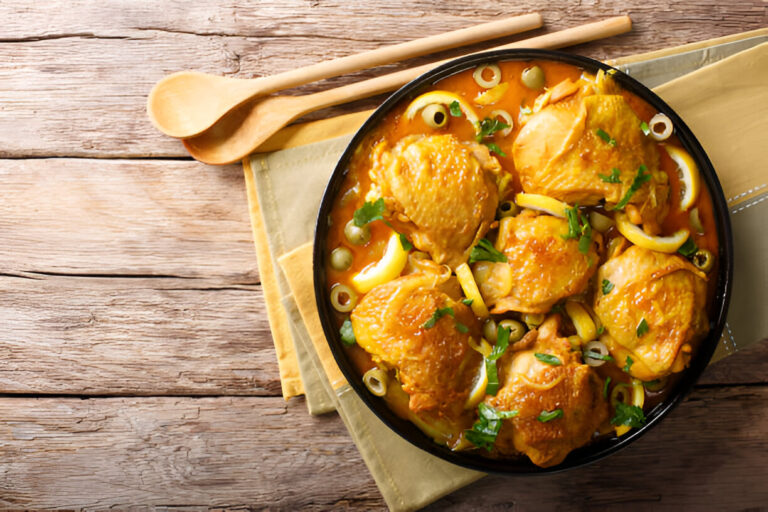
(284, 189)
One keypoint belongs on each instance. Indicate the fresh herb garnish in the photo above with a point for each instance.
(642, 328)
(494, 148)
(578, 226)
(605, 387)
(630, 415)
(607, 286)
(485, 251)
(455, 108)
(640, 179)
(628, 365)
(502, 342)
(607, 138)
(689, 248)
(467, 302)
(463, 329)
(585, 240)
(600, 330)
(347, 334)
(595, 355)
(486, 428)
(645, 128)
(651, 383)
(404, 242)
(490, 126)
(548, 359)
(437, 315)
(546, 416)
(369, 212)
(613, 178)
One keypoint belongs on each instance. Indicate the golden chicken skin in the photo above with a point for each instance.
(444, 190)
(412, 325)
(560, 406)
(542, 267)
(654, 312)
(588, 147)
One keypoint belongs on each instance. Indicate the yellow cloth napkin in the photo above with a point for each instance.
(284, 191)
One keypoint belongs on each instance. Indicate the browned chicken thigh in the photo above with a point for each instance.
(569, 150)
(663, 292)
(443, 189)
(435, 363)
(533, 387)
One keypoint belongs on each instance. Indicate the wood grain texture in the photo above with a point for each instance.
(75, 75)
(261, 452)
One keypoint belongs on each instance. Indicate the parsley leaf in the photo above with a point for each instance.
(572, 215)
(642, 328)
(578, 226)
(502, 342)
(467, 302)
(585, 240)
(437, 315)
(486, 428)
(607, 286)
(407, 245)
(607, 138)
(613, 178)
(455, 108)
(485, 251)
(689, 248)
(463, 329)
(629, 364)
(494, 148)
(546, 416)
(630, 415)
(548, 359)
(605, 387)
(600, 330)
(490, 126)
(645, 128)
(640, 179)
(595, 355)
(369, 212)
(347, 334)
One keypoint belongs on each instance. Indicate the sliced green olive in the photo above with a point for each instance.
(435, 115)
(507, 209)
(357, 235)
(704, 260)
(343, 298)
(533, 320)
(341, 258)
(490, 330)
(533, 77)
(516, 329)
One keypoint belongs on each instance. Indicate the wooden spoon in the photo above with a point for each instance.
(241, 131)
(187, 103)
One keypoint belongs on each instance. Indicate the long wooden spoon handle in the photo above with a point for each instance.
(398, 52)
(568, 37)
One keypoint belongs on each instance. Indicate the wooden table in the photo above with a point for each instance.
(138, 367)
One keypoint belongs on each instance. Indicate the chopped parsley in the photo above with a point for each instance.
(628, 365)
(613, 178)
(347, 334)
(490, 126)
(689, 248)
(642, 328)
(578, 226)
(605, 387)
(502, 342)
(630, 415)
(494, 148)
(369, 212)
(645, 128)
(640, 178)
(455, 108)
(463, 329)
(546, 416)
(485, 251)
(467, 302)
(486, 428)
(407, 245)
(600, 330)
(595, 355)
(607, 286)
(607, 138)
(437, 315)
(548, 359)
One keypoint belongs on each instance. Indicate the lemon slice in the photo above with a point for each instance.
(468, 284)
(386, 269)
(478, 389)
(637, 236)
(492, 95)
(582, 320)
(542, 203)
(689, 175)
(445, 98)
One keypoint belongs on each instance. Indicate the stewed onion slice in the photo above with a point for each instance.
(596, 348)
(495, 75)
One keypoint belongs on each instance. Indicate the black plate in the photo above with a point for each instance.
(591, 452)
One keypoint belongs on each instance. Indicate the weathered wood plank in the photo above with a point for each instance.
(253, 452)
(75, 75)
(83, 216)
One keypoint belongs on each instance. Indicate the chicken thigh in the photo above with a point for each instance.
(654, 312)
(532, 387)
(443, 190)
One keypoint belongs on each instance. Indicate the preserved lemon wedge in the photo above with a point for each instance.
(477, 393)
(444, 98)
(637, 236)
(468, 284)
(689, 175)
(492, 95)
(582, 321)
(386, 269)
(542, 203)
